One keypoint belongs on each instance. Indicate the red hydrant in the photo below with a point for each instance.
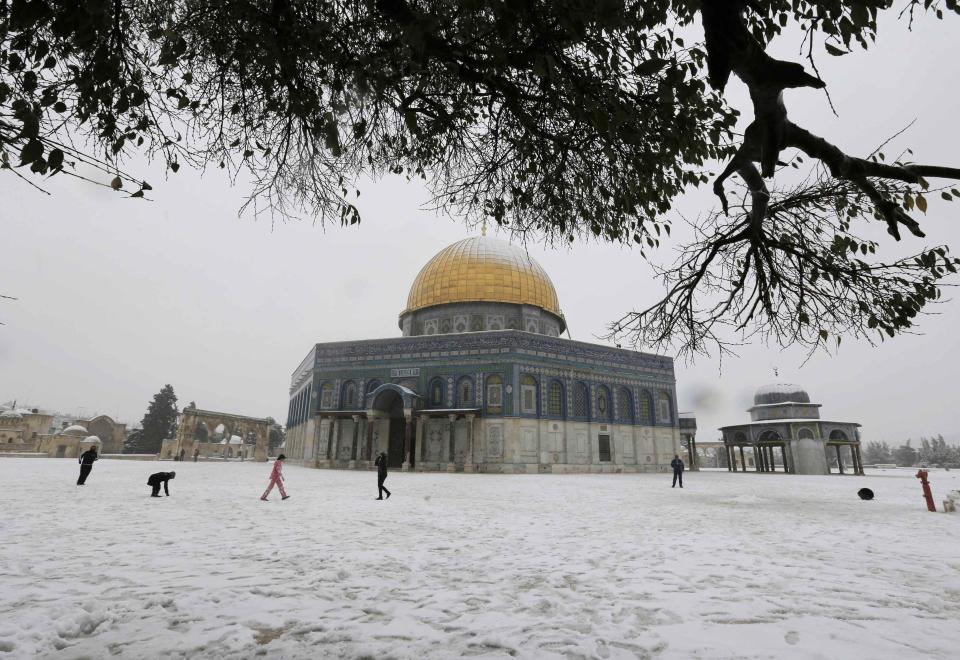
(927, 495)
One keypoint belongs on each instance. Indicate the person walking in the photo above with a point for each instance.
(381, 464)
(86, 461)
(158, 478)
(677, 465)
(276, 479)
(182, 452)
(196, 453)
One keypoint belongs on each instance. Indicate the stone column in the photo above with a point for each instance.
(420, 442)
(371, 423)
(355, 441)
(743, 460)
(468, 464)
(859, 460)
(451, 465)
(406, 441)
(839, 459)
(786, 466)
(335, 445)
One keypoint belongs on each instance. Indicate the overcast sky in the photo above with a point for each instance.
(117, 297)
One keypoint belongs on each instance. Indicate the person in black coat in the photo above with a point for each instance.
(158, 478)
(677, 465)
(381, 464)
(86, 461)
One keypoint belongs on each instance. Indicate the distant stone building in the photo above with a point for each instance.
(34, 431)
(482, 381)
(218, 434)
(786, 431)
(21, 428)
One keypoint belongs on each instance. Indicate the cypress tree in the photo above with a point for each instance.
(158, 424)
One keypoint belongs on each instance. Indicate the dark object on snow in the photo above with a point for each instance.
(158, 478)
(865, 494)
(381, 464)
(86, 461)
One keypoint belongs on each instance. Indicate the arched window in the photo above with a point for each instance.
(603, 403)
(805, 434)
(348, 398)
(624, 406)
(326, 396)
(528, 395)
(495, 394)
(664, 414)
(581, 401)
(646, 408)
(739, 438)
(837, 434)
(555, 399)
(465, 392)
(769, 436)
(436, 392)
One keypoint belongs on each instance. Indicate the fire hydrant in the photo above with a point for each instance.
(927, 494)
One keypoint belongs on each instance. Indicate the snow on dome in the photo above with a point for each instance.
(92, 438)
(10, 414)
(75, 429)
(780, 393)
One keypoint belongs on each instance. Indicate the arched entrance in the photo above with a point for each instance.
(388, 404)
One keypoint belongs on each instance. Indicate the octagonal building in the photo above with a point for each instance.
(481, 380)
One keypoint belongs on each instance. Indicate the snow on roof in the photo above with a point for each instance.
(91, 438)
(75, 429)
(10, 414)
(780, 393)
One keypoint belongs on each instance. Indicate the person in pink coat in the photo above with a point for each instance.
(276, 479)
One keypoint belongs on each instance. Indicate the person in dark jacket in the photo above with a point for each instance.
(381, 464)
(86, 461)
(677, 465)
(158, 478)
(196, 453)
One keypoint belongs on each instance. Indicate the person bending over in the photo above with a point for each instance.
(158, 478)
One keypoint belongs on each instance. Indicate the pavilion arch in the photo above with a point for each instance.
(770, 436)
(837, 434)
(740, 438)
(805, 434)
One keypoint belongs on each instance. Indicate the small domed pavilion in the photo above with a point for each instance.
(785, 431)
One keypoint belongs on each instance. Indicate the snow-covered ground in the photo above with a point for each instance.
(538, 566)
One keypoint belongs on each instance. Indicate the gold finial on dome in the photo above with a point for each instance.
(482, 269)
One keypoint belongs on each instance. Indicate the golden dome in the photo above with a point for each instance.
(482, 269)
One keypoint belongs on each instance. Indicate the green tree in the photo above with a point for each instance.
(905, 455)
(560, 119)
(159, 423)
(877, 452)
(277, 436)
